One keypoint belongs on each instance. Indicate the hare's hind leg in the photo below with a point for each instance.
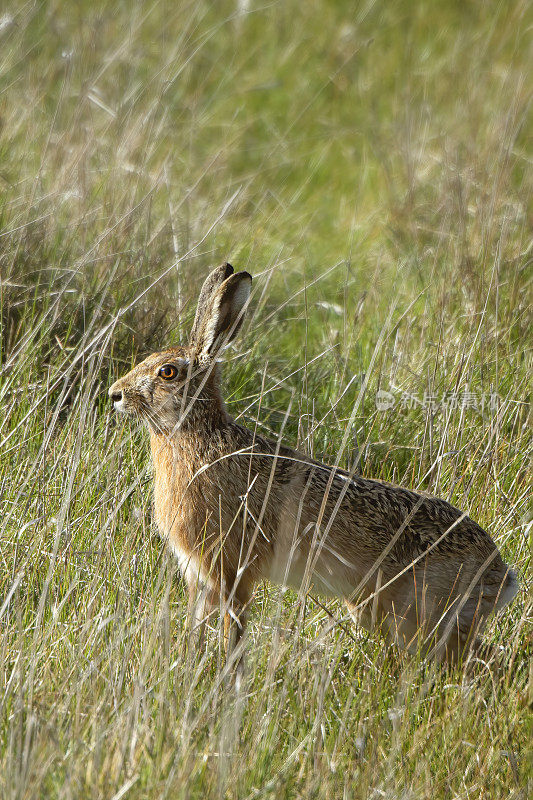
(394, 609)
(367, 612)
(459, 632)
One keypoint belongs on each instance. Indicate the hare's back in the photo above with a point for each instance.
(371, 521)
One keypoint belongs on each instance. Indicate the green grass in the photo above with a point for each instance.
(370, 165)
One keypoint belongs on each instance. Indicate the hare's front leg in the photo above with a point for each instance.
(235, 618)
(203, 601)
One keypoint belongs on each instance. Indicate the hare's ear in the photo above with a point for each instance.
(219, 320)
(211, 284)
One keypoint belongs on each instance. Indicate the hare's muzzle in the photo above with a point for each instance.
(117, 397)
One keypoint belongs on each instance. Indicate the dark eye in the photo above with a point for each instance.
(168, 372)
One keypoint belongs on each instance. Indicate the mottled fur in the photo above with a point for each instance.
(238, 508)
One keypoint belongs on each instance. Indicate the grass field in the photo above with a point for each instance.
(369, 163)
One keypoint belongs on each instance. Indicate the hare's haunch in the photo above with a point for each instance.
(237, 508)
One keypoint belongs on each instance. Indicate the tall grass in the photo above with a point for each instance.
(369, 164)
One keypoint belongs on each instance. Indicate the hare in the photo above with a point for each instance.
(237, 508)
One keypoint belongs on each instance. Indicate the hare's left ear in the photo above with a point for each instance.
(222, 315)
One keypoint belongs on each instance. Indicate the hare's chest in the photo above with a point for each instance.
(176, 515)
(175, 507)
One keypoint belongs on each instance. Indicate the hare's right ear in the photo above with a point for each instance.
(220, 311)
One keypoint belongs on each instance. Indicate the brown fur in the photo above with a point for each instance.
(238, 508)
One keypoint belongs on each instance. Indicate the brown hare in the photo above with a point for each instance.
(237, 508)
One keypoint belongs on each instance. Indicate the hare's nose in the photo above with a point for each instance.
(115, 396)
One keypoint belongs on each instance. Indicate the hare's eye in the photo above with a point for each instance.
(168, 372)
